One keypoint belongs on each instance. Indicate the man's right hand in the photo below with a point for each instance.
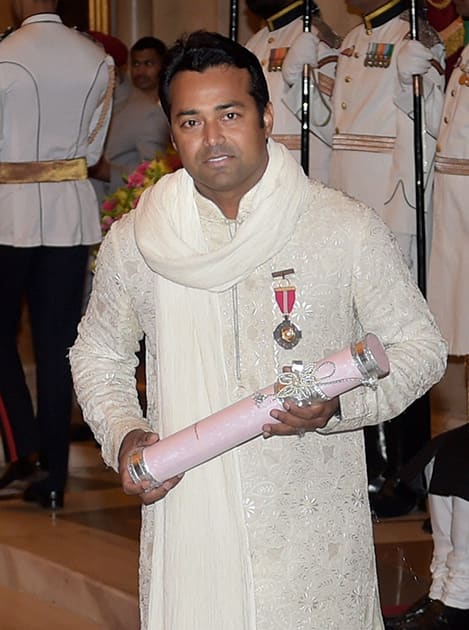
(132, 441)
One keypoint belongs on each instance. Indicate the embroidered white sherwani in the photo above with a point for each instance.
(304, 501)
(448, 290)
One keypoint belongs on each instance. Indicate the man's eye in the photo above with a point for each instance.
(231, 115)
(189, 123)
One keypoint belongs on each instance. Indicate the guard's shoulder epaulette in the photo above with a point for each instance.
(325, 33)
(5, 34)
(428, 36)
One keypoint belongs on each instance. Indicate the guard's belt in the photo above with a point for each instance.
(46, 171)
(451, 166)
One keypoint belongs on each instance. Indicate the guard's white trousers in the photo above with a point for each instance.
(450, 562)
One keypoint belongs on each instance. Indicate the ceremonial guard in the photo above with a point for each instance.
(55, 102)
(372, 149)
(448, 284)
(284, 26)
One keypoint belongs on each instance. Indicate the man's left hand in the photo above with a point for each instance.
(295, 420)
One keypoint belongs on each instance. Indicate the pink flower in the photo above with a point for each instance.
(109, 204)
(142, 167)
(135, 179)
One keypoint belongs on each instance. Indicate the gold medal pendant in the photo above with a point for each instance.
(287, 335)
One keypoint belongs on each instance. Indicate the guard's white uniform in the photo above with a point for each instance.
(372, 147)
(448, 289)
(41, 121)
(55, 103)
(271, 48)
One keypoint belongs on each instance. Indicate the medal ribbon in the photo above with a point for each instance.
(285, 298)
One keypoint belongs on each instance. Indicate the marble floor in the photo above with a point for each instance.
(76, 569)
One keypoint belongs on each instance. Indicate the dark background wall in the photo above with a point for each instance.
(74, 13)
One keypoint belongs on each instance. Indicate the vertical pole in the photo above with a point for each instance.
(305, 96)
(420, 426)
(419, 159)
(234, 10)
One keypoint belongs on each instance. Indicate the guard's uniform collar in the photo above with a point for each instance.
(42, 17)
(384, 13)
(288, 14)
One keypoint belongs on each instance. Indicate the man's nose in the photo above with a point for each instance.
(213, 133)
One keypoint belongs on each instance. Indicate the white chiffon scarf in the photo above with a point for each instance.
(201, 571)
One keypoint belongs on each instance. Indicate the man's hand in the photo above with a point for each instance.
(132, 441)
(297, 420)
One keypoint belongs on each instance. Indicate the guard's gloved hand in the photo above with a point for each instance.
(304, 50)
(413, 58)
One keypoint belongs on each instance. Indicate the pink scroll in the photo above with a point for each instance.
(362, 363)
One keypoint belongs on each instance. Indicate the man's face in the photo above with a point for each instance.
(462, 7)
(145, 66)
(216, 129)
(364, 6)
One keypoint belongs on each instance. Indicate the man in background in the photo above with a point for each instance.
(139, 129)
(55, 104)
(120, 55)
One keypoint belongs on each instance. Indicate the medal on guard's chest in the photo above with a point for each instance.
(378, 55)
(286, 334)
(276, 58)
(464, 77)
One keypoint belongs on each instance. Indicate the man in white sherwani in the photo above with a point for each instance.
(277, 533)
(55, 103)
(284, 26)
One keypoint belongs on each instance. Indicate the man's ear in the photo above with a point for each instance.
(268, 118)
(173, 141)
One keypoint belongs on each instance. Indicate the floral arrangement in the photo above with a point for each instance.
(126, 197)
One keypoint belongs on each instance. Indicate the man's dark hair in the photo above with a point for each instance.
(150, 42)
(202, 50)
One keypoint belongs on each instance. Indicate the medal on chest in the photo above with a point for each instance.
(286, 334)
(464, 77)
(276, 58)
(378, 55)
